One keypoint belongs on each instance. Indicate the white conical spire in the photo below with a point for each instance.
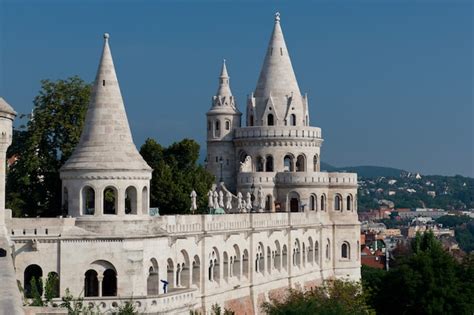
(223, 101)
(224, 86)
(106, 142)
(277, 77)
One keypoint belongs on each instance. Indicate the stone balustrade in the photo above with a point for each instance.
(151, 304)
(316, 178)
(278, 132)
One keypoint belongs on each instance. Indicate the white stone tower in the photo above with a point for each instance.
(7, 115)
(106, 175)
(222, 119)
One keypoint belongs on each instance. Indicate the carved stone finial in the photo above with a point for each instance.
(277, 17)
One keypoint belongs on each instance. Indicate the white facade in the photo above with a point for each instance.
(301, 229)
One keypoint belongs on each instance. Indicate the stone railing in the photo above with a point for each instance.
(316, 178)
(180, 301)
(278, 132)
(256, 178)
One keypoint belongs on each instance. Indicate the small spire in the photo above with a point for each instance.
(224, 73)
(106, 36)
(277, 17)
(224, 87)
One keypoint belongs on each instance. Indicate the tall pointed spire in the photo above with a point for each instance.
(277, 77)
(223, 101)
(106, 141)
(224, 86)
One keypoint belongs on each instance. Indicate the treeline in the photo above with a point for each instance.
(52, 131)
(424, 279)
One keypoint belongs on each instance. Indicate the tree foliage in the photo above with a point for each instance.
(334, 297)
(175, 174)
(426, 281)
(51, 134)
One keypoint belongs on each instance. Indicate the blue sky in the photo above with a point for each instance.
(389, 82)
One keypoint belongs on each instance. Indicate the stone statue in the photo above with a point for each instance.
(221, 199)
(193, 201)
(228, 204)
(240, 202)
(261, 200)
(248, 201)
(216, 199)
(210, 202)
(246, 165)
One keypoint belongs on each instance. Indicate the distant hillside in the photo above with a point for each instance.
(365, 170)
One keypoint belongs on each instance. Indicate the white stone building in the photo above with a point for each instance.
(299, 229)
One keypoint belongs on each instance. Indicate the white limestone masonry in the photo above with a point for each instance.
(298, 229)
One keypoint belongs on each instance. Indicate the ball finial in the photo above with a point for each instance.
(277, 17)
(106, 35)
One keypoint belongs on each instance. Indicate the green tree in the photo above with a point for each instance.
(334, 297)
(51, 287)
(36, 290)
(175, 174)
(427, 281)
(51, 134)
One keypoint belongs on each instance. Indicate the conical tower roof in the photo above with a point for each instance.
(277, 75)
(277, 78)
(6, 108)
(223, 101)
(106, 141)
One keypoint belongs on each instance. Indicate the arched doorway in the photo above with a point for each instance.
(32, 280)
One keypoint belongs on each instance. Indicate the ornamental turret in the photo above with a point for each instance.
(7, 115)
(222, 119)
(277, 99)
(106, 175)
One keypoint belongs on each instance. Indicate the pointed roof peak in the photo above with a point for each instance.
(224, 73)
(224, 85)
(277, 75)
(106, 141)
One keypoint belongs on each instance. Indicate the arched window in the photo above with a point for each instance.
(323, 202)
(145, 200)
(268, 203)
(312, 202)
(338, 203)
(131, 200)
(109, 283)
(170, 274)
(307, 120)
(91, 283)
(349, 203)
(316, 252)
(345, 250)
(209, 126)
(153, 280)
(196, 271)
(269, 163)
(288, 163)
(315, 163)
(32, 281)
(284, 257)
(294, 200)
(251, 120)
(293, 120)
(110, 200)
(218, 125)
(53, 283)
(328, 250)
(260, 164)
(300, 163)
(88, 200)
(227, 125)
(270, 121)
(245, 263)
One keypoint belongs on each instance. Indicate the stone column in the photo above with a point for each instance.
(100, 278)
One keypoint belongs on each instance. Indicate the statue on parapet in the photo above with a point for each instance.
(228, 204)
(246, 165)
(193, 201)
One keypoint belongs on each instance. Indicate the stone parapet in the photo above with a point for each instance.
(317, 179)
(278, 133)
